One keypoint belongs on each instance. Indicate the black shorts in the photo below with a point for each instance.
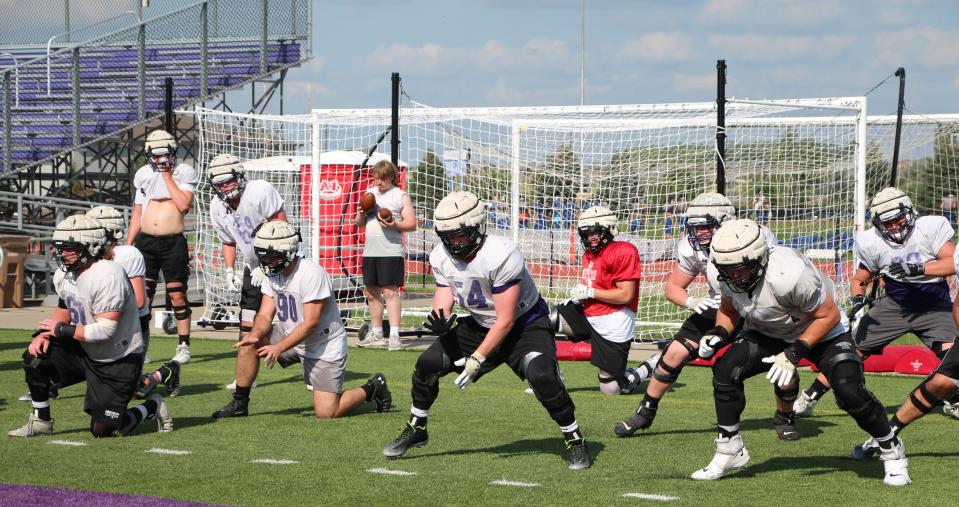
(534, 337)
(250, 296)
(757, 346)
(697, 324)
(950, 363)
(167, 253)
(607, 355)
(110, 386)
(383, 271)
(145, 327)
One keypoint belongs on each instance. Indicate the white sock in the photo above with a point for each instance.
(571, 428)
(419, 412)
(376, 332)
(394, 333)
(41, 404)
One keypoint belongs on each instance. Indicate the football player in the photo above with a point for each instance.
(602, 307)
(508, 323)
(789, 312)
(164, 194)
(299, 293)
(239, 207)
(706, 213)
(92, 336)
(914, 257)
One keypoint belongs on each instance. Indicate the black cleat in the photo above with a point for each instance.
(642, 419)
(411, 436)
(381, 394)
(235, 408)
(578, 455)
(173, 386)
(145, 385)
(786, 427)
(54, 391)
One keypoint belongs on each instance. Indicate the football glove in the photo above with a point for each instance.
(257, 276)
(906, 269)
(700, 305)
(580, 292)
(234, 280)
(784, 364)
(438, 323)
(713, 340)
(858, 302)
(471, 366)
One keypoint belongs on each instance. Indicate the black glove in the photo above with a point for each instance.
(858, 302)
(903, 269)
(440, 324)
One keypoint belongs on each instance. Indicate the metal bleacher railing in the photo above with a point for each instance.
(83, 92)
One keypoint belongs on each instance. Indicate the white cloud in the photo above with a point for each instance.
(781, 13)
(928, 46)
(538, 54)
(774, 48)
(658, 47)
(692, 82)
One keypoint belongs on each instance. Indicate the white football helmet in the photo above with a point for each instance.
(597, 219)
(460, 222)
(709, 209)
(226, 168)
(160, 150)
(740, 253)
(112, 221)
(276, 245)
(81, 235)
(893, 214)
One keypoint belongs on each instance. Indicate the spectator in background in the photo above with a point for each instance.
(668, 224)
(524, 217)
(949, 207)
(761, 208)
(635, 221)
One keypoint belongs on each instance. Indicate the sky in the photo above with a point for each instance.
(469, 53)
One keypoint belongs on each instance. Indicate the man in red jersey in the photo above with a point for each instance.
(602, 307)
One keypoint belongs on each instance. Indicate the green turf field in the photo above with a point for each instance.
(489, 432)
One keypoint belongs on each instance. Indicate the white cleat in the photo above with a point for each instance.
(35, 426)
(951, 409)
(182, 355)
(804, 405)
(896, 465)
(394, 343)
(730, 456)
(164, 421)
(867, 450)
(372, 341)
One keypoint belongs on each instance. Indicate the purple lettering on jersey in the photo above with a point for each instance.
(917, 297)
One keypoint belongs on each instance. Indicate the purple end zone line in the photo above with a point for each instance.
(15, 495)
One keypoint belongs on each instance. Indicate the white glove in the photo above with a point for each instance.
(234, 280)
(700, 305)
(257, 276)
(580, 292)
(471, 366)
(708, 345)
(782, 370)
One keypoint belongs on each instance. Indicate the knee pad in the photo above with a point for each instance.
(726, 391)
(101, 429)
(849, 387)
(543, 376)
(151, 289)
(668, 374)
(182, 312)
(788, 393)
(931, 400)
(32, 361)
(608, 384)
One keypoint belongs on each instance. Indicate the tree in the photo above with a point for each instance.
(427, 183)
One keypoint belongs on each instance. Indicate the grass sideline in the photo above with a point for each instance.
(491, 431)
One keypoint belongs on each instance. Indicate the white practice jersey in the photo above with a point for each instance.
(384, 242)
(923, 245)
(149, 183)
(103, 287)
(259, 202)
(131, 260)
(497, 266)
(308, 283)
(694, 262)
(778, 306)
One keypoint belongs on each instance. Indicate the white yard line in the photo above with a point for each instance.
(170, 452)
(268, 461)
(387, 471)
(72, 443)
(646, 496)
(504, 482)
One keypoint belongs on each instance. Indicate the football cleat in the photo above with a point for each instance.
(642, 419)
(786, 428)
(235, 408)
(182, 355)
(372, 341)
(381, 393)
(950, 409)
(164, 421)
(804, 405)
(35, 426)
(173, 387)
(731, 455)
(578, 455)
(411, 436)
(896, 465)
(867, 450)
(145, 385)
(394, 343)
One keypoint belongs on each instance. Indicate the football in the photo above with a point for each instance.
(367, 201)
(386, 215)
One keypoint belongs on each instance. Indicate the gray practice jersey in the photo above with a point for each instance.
(308, 283)
(694, 262)
(778, 306)
(131, 260)
(101, 288)
(259, 202)
(497, 266)
(149, 183)
(382, 242)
